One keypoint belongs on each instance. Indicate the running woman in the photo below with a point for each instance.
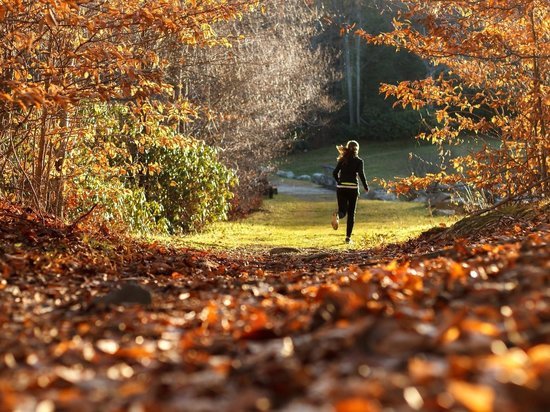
(349, 168)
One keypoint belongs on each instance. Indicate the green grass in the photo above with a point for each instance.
(382, 160)
(304, 221)
(288, 221)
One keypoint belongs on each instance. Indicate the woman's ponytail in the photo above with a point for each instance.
(350, 150)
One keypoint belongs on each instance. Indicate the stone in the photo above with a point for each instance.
(439, 199)
(317, 178)
(420, 199)
(443, 212)
(380, 194)
(287, 174)
(306, 178)
(128, 293)
(323, 180)
(372, 194)
(413, 195)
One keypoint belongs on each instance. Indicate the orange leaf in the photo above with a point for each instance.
(477, 398)
(135, 352)
(177, 275)
(450, 335)
(209, 314)
(456, 270)
(485, 328)
(132, 388)
(68, 395)
(50, 18)
(540, 354)
(356, 405)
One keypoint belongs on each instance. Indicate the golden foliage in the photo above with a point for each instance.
(494, 59)
(58, 58)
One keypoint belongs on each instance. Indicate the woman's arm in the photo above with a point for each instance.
(361, 173)
(336, 171)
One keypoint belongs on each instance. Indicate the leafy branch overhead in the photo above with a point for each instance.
(493, 60)
(92, 91)
(86, 92)
(58, 53)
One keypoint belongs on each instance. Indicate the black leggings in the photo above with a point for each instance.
(347, 202)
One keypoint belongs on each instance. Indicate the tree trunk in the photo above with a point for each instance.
(349, 78)
(39, 164)
(358, 44)
(539, 120)
(58, 207)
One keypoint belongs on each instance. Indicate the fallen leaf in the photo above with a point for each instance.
(477, 398)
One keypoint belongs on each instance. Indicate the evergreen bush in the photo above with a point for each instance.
(193, 187)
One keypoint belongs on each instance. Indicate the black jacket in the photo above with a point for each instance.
(347, 171)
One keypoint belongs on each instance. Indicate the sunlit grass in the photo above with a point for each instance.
(304, 221)
(287, 221)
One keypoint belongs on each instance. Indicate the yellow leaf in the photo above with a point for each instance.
(393, 265)
(456, 270)
(485, 328)
(477, 398)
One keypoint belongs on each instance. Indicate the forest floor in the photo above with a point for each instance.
(457, 319)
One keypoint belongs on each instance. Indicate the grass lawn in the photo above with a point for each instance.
(288, 221)
(304, 221)
(382, 160)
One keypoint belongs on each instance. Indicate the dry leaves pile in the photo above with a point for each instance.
(441, 325)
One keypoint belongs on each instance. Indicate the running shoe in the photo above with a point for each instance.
(335, 220)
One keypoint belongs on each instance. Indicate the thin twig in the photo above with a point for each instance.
(82, 217)
(29, 181)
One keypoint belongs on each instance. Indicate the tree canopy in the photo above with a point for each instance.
(91, 92)
(495, 57)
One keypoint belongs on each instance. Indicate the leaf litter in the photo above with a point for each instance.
(90, 321)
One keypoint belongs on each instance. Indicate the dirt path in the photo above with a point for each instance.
(303, 189)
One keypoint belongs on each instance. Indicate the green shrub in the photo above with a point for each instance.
(144, 175)
(382, 123)
(119, 205)
(192, 186)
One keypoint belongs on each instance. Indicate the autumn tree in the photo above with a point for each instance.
(344, 17)
(362, 67)
(495, 55)
(257, 93)
(57, 58)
